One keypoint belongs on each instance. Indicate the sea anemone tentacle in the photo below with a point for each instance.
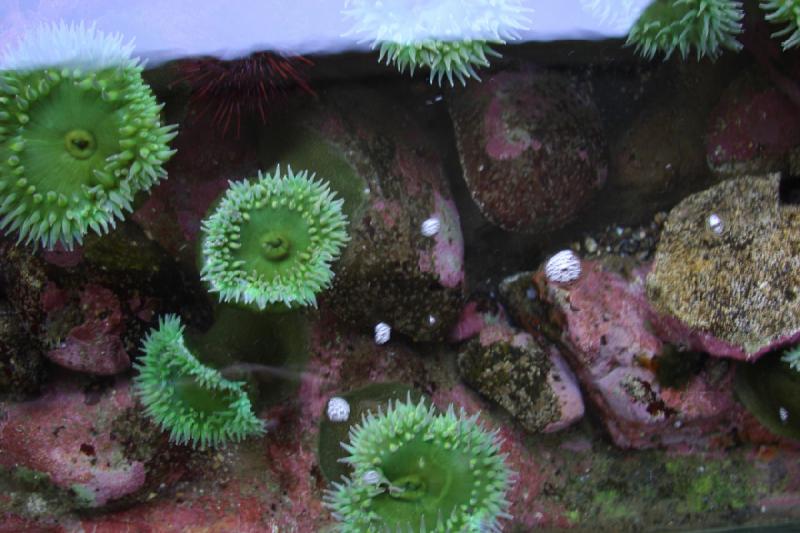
(80, 134)
(270, 242)
(193, 402)
(418, 470)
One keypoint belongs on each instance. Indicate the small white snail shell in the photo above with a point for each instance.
(563, 267)
(383, 332)
(338, 409)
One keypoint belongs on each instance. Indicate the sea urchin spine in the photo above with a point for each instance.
(248, 85)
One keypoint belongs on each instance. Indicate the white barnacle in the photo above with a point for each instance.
(338, 409)
(715, 223)
(431, 227)
(383, 332)
(372, 477)
(563, 267)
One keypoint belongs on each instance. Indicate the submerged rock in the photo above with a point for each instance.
(532, 148)
(531, 382)
(66, 434)
(400, 267)
(95, 346)
(727, 269)
(610, 346)
(752, 130)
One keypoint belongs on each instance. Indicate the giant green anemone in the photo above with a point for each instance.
(271, 240)
(195, 403)
(80, 134)
(785, 12)
(416, 470)
(706, 26)
(442, 58)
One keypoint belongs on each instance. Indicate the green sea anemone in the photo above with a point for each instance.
(416, 470)
(784, 12)
(80, 134)
(705, 25)
(449, 37)
(271, 240)
(195, 403)
(442, 58)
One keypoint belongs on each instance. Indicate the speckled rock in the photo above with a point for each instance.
(392, 180)
(95, 346)
(66, 434)
(610, 346)
(531, 382)
(752, 130)
(736, 290)
(532, 147)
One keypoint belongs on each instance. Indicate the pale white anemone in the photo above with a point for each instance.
(69, 46)
(615, 15)
(413, 21)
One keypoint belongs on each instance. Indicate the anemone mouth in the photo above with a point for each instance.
(271, 240)
(76, 144)
(80, 143)
(191, 401)
(433, 470)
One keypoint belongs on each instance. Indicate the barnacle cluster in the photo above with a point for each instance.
(449, 38)
(80, 134)
(190, 400)
(417, 470)
(271, 240)
(705, 26)
(786, 12)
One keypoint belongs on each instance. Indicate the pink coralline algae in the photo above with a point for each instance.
(610, 346)
(531, 146)
(95, 346)
(752, 130)
(66, 433)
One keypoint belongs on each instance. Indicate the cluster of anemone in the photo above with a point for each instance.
(786, 13)
(705, 26)
(196, 404)
(80, 134)
(449, 38)
(271, 240)
(414, 469)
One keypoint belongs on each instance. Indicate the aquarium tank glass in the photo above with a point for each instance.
(368, 266)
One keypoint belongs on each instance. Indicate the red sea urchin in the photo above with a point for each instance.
(244, 86)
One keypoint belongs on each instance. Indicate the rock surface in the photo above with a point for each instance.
(733, 290)
(94, 346)
(613, 352)
(392, 180)
(66, 434)
(532, 148)
(752, 130)
(531, 382)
